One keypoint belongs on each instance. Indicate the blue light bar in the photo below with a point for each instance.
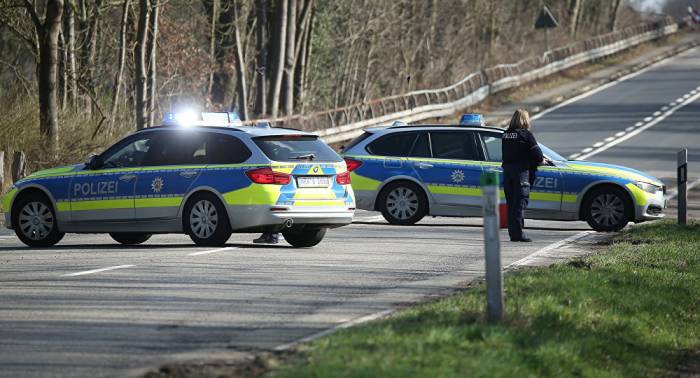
(472, 119)
(190, 118)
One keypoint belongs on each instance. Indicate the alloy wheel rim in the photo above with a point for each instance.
(402, 203)
(203, 219)
(36, 221)
(607, 209)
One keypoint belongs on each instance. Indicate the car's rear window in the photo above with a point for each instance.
(294, 148)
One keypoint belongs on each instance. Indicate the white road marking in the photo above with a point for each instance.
(694, 91)
(638, 131)
(586, 150)
(685, 96)
(574, 156)
(672, 104)
(663, 109)
(647, 119)
(674, 193)
(610, 84)
(375, 218)
(97, 270)
(598, 144)
(608, 139)
(211, 251)
(629, 128)
(656, 113)
(545, 250)
(621, 133)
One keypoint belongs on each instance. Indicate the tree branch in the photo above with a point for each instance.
(32, 12)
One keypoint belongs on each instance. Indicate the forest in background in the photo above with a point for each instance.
(76, 74)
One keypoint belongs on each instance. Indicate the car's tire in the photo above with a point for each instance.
(607, 209)
(402, 203)
(303, 238)
(34, 221)
(130, 238)
(206, 220)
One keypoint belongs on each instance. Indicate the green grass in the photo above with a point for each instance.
(631, 310)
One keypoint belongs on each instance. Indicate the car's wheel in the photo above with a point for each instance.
(35, 222)
(301, 238)
(130, 238)
(402, 203)
(206, 220)
(607, 209)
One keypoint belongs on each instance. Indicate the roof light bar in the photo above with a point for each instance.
(472, 119)
(189, 118)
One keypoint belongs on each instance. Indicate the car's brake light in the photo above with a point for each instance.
(267, 176)
(343, 178)
(352, 164)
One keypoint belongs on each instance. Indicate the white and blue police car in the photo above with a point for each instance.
(203, 175)
(408, 172)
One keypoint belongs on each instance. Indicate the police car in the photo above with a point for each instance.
(408, 172)
(198, 174)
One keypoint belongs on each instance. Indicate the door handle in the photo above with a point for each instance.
(188, 174)
(424, 165)
(127, 177)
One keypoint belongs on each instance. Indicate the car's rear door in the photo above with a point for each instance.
(174, 160)
(452, 174)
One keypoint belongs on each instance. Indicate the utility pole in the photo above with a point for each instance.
(682, 186)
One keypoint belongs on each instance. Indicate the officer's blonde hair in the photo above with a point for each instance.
(520, 120)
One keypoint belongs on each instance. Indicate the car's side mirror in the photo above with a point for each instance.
(93, 162)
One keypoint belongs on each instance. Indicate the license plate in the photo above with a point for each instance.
(313, 182)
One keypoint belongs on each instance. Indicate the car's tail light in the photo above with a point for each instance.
(343, 178)
(352, 164)
(267, 176)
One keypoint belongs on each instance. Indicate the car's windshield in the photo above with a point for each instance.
(548, 152)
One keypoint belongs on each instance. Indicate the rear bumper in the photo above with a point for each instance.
(278, 217)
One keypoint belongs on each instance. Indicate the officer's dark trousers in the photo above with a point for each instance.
(516, 184)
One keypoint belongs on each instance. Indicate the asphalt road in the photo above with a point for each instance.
(169, 300)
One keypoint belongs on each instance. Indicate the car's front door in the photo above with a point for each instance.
(546, 192)
(106, 193)
(174, 161)
(452, 174)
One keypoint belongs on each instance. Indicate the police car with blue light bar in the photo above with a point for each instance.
(204, 174)
(408, 172)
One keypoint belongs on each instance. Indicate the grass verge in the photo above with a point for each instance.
(631, 310)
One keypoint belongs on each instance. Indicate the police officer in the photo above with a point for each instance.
(521, 157)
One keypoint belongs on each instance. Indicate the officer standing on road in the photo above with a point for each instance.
(521, 157)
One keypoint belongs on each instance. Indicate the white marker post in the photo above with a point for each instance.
(682, 186)
(492, 248)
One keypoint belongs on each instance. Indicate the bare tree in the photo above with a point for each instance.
(140, 65)
(152, 47)
(122, 57)
(47, 32)
(242, 88)
(69, 43)
(574, 16)
(279, 58)
(261, 69)
(614, 11)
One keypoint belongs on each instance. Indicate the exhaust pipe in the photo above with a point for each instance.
(288, 223)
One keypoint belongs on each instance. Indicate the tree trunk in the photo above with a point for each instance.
(122, 57)
(19, 166)
(140, 66)
(47, 33)
(152, 50)
(69, 38)
(290, 54)
(574, 16)
(214, 10)
(2, 171)
(614, 10)
(261, 71)
(279, 58)
(93, 30)
(241, 87)
(304, 44)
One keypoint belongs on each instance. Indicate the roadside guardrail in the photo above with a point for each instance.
(342, 124)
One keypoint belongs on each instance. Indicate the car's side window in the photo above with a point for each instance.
(128, 155)
(177, 148)
(492, 145)
(397, 144)
(458, 145)
(421, 147)
(226, 149)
